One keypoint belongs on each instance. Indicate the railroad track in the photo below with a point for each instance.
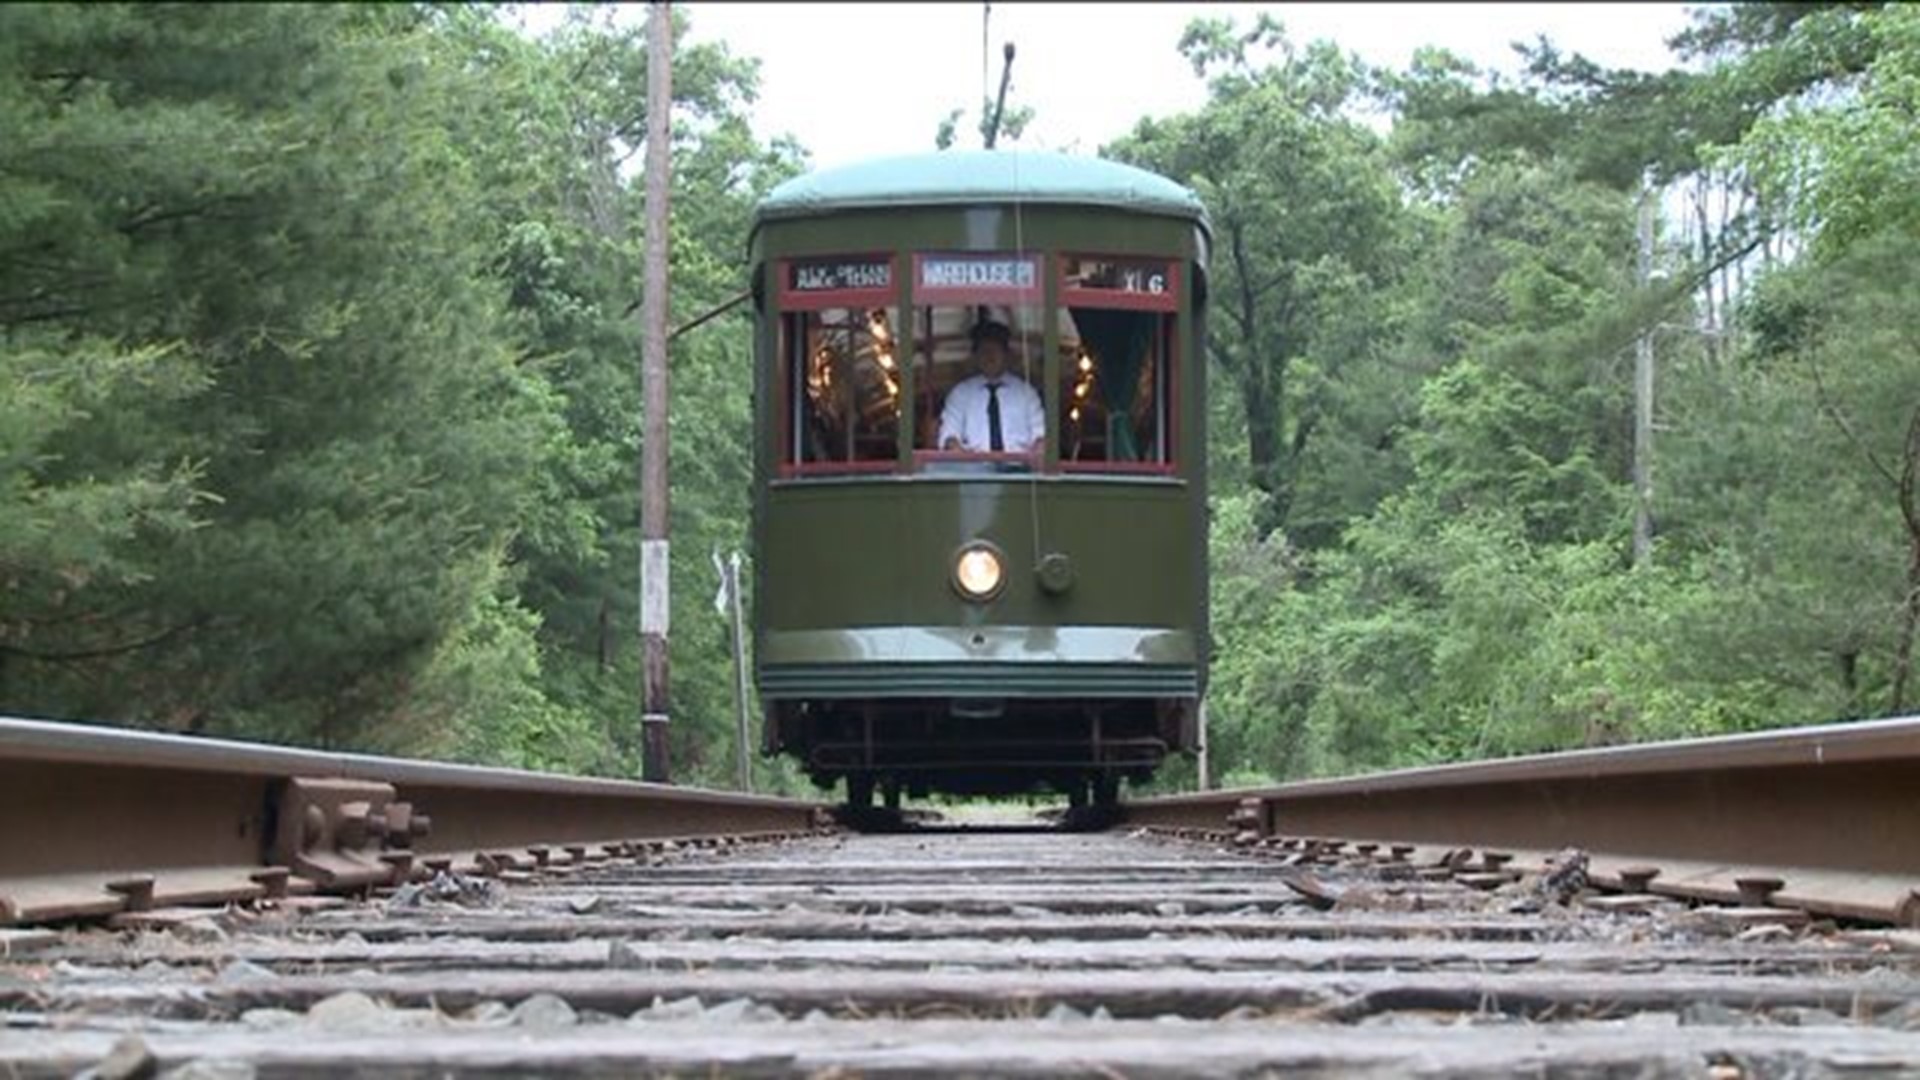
(984, 953)
(737, 938)
(1817, 819)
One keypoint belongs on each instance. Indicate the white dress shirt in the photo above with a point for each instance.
(1023, 420)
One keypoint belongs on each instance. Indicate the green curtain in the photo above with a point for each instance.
(1118, 341)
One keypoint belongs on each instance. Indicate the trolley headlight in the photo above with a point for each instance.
(978, 573)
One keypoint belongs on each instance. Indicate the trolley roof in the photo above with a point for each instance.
(979, 176)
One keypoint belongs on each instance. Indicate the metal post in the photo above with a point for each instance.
(742, 763)
(654, 594)
(1643, 403)
(992, 133)
(1206, 782)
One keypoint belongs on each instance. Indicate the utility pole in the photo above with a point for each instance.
(653, 378)
(1643, 401)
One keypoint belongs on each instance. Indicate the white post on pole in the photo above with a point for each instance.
(1206, 781)
(728, 603)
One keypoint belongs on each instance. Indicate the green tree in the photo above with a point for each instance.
(1307, 220)
(1840, 154)
(557, 139)
(251, 225)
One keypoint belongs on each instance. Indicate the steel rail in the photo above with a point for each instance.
(95, 821)
(1822, 819)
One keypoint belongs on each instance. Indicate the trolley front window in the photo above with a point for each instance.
(1116, 339)
(842, 390)
(979, 362)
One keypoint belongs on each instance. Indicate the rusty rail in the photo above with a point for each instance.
(1820, 819)
(95, 821)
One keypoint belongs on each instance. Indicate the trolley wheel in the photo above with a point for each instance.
(859, 792)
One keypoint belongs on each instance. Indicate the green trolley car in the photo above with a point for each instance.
(980, 473)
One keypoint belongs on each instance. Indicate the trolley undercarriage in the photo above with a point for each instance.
(971, 746)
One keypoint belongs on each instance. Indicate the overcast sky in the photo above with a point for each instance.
(858, 80)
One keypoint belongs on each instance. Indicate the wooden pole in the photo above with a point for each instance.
(1643, 403)
(654, 595)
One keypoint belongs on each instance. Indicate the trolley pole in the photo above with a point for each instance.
(654, 594)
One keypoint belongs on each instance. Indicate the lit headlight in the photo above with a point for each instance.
(978, 573)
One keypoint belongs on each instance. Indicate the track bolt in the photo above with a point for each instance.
(402, 825)
(1635, 879)
(1908, 913)
(578, 853)
(273, 879)
(541, 853)
(313, 827)
(1399, 852)
(357, 825)
(136, 892)
(1494, 860)
(402, 864)
(1758, 891)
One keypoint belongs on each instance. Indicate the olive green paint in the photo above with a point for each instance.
(846, 563)
(986, 228)
(909, 338)
(881, 553)
(976, 678)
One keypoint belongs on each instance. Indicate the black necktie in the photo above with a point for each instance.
(994, 441)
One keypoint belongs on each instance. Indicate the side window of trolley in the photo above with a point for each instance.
(979, 340)
(1116, 340)
(841, 390)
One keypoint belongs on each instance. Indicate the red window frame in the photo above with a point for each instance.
(1121, 299)
(1031, 295)
(1036, 459)
(925, 295)
(791, 301)
(787, 298)
(1165, 303)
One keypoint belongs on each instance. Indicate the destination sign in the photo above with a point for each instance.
(972, 272)
(1150, 278)
(839, 274)
(1146, 284)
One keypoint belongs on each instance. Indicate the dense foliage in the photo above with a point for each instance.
(1431, 389)
(321, 410)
